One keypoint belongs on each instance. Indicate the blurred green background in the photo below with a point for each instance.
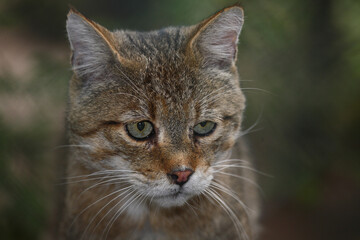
(300, 62)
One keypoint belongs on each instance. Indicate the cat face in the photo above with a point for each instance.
(156, 110)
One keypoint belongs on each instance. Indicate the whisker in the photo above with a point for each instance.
(151, 199)
(145, 196)
(132, 85)
(251, 128)
(93, 218)
(131, 95)
(244, 133)
(231, 193)
(229, 212)
(242, 178)
(211, 97)
(119, 212)
(112, 181)
(232, 160)
(70, 146)
(102, 198)
(192, 208)
(97, 178)
(258, 89)
(224, 166)
(211, 94)
(102, 172)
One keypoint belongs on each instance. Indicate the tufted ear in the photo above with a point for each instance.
(93, 46)
(216, 38)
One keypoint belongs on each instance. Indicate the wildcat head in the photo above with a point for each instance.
(156, 110)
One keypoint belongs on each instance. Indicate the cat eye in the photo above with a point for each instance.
(140, 130)
(204, 128)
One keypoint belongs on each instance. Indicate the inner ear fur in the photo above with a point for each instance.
(214, 41)
(92, 45)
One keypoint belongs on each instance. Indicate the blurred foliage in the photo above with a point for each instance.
(313, 115)
(27, 154)
(302, 56)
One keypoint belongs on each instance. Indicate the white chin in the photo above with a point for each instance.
(171, 201)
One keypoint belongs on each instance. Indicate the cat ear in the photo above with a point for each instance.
(92, 45)
(216, 38)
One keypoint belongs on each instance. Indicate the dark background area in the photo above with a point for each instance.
(300, 65)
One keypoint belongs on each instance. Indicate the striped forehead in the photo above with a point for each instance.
(173, 118)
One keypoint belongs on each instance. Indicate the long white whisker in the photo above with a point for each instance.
(192, 208)
(75, 219)
(115, 206)
(93, 218)
(119, 212)
(112, 180)
(248, 131)
(99, 178)
(232, 160)
(231, 193)
(251, 128)
(70, 146)
(224, 166)
(230, 213)
(258, 89)
(103, 172)
(242, 178)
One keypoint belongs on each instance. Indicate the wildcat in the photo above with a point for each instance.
(154, 124)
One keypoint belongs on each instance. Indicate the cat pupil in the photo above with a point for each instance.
(203, 124)
(140, 126)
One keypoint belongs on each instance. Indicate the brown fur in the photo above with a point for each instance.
(173, 78)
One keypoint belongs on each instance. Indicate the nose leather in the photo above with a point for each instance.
(181, 177)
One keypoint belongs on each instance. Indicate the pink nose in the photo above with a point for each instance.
(181, 177)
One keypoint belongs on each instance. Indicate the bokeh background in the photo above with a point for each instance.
(300, 65)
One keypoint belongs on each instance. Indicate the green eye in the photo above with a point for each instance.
(140, 130)
(204, 128)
